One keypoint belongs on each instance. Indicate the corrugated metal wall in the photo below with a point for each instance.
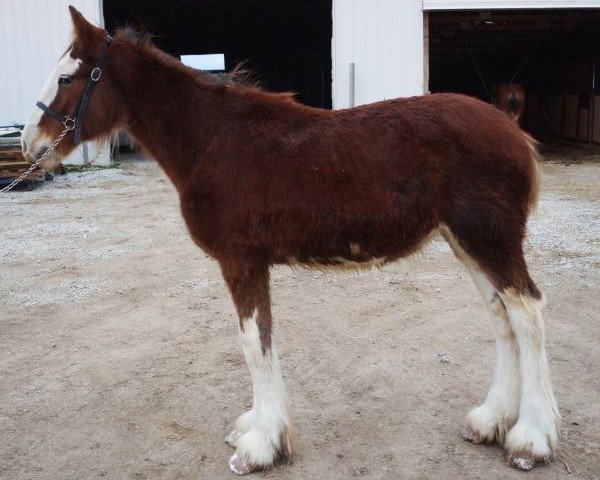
(33, 35)
(384, 39)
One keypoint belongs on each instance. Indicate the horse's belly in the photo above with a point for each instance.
(358, 253)
(337, 262)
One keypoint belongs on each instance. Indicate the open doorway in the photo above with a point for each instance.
(553, 54)
(286, 43)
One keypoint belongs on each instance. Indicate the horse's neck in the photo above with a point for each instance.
(171, 116)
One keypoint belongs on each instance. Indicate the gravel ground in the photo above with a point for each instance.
(119, 355)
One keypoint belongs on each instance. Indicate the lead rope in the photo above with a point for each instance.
(525, 62)
(68, 127)
(479, 72)
(511, 78)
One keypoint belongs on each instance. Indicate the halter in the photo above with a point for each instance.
(95, 75)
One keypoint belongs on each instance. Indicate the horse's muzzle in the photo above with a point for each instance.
(39, 153)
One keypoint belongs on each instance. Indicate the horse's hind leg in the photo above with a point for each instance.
(534, 438)
(262, 436)
(490, 421)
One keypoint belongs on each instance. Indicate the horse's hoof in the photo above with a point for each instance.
(471, 435)
(526, 462)
(232, 438)
(484, 425)
(241, 466)
(528, 446)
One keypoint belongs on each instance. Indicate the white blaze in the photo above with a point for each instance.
(67, 65)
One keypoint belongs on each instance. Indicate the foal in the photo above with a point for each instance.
(263, 180)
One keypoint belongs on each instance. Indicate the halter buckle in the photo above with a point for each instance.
(69, 123)
(96, 74)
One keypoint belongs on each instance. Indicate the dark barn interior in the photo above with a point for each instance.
(286, 43)
(553, 54)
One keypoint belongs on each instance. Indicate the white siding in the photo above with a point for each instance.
(384, 39)
(490, 4)
(33, 35)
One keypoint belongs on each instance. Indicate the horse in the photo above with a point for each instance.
(510, 98)
(263, 181)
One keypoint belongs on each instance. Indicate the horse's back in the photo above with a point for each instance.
(355, 186)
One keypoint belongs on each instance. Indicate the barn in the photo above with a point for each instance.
(341, 53)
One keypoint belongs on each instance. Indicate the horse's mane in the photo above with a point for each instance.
(140, 37)
(239, 78)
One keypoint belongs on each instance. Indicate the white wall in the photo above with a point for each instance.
(384, 39)
(33, 35)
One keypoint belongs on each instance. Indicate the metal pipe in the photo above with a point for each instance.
(352, 82)
(86, 155)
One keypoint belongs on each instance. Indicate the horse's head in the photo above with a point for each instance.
(77, 95)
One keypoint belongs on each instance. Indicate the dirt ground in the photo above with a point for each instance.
(119, 355)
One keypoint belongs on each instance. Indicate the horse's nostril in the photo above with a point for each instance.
(24, 146)
(40, 152)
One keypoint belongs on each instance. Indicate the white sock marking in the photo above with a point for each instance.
(501, 407)
(269, 416)
(536, 430)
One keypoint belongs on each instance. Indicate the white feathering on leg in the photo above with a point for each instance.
(269, 421)
(492, 420)
(534, 438)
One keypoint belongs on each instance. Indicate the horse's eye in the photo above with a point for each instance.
(65, 79)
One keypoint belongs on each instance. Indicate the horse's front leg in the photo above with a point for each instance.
(262, 436)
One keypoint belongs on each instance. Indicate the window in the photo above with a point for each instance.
(214, 62)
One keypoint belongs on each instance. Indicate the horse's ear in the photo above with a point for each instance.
(87, 35)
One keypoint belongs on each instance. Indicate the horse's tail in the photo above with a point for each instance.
(536, 171)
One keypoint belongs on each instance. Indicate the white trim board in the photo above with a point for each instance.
(506, 4)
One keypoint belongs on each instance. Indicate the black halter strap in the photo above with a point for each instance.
(58, 116)
(95, 76)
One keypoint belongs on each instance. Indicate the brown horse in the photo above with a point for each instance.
(510, 98)
(264, 180)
